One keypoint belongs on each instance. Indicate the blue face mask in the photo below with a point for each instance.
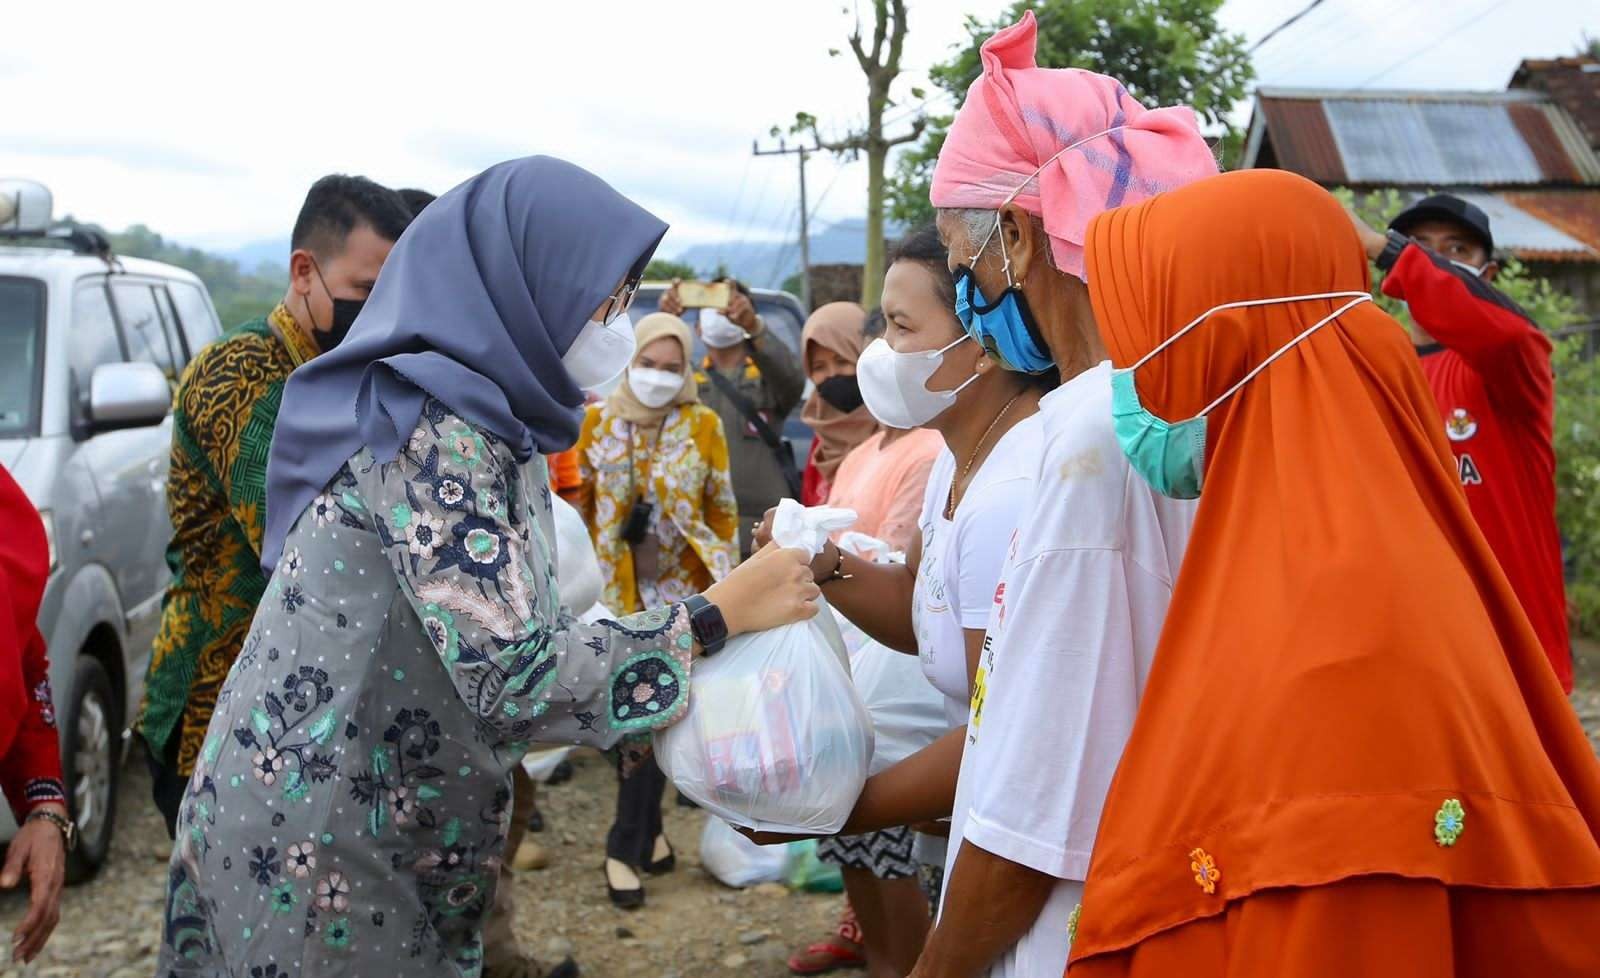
(1171, 456)
(1005, 328)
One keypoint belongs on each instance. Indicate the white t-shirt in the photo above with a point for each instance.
(962, 558)
(1071, 635)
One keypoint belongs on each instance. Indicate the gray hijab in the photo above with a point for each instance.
(476, 305)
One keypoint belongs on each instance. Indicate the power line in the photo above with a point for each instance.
(1468, 22)
(1314, 4)
(738, 197)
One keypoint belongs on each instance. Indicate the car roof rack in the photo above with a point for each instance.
(83, 241)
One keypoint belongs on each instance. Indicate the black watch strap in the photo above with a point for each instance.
(707, 624)
(1391, 251)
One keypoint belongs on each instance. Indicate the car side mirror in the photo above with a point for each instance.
(128, 395)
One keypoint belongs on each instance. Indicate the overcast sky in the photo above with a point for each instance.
(209, 126)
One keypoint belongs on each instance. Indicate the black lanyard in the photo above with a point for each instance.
(660, 432)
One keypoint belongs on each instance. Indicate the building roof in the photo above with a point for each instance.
(1574, 84)
(1518, 138)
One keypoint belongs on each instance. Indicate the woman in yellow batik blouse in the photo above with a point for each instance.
(655, 494)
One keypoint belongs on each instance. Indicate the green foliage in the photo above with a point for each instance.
(664, 270)
(792, 284)
(1577, 419)
(238, 295)
(1167, 52)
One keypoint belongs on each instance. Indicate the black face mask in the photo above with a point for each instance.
(842, 392)
(345, 312)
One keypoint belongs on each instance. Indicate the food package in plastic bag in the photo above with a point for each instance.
(736, 861)
(775, 737)
(908, 712)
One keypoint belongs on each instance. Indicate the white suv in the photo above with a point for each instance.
(91, 347)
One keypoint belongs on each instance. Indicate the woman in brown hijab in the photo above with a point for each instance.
(830, 344)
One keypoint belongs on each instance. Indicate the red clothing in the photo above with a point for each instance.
(1491, 377)
(30, 753)
(813, 485)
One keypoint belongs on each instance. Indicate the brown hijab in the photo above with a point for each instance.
(624, 404)
(840, 327)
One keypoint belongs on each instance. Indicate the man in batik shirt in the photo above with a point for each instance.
(223, 418)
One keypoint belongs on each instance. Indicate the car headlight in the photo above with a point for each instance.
(49, 535)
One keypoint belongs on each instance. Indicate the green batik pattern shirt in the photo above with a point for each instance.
(223, 418)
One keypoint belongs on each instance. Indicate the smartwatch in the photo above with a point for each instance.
(707, 625)
(1391, 251)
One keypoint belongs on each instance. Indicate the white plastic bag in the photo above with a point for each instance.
(577, 567)
(736, 861)
(775, 738)
(908, 712)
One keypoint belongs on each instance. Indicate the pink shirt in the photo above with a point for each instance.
(885, 485)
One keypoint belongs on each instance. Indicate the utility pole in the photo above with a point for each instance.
(805, 237)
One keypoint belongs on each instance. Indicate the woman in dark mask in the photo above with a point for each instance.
(831, 343)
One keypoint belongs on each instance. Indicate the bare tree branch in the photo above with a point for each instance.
(916, 133)
(861, 54)
(880, 13)
(897, 40)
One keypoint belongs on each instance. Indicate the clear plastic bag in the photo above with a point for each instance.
(908, 712)
(775, 738)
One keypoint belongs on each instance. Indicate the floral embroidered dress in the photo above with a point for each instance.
(347, 815)
(685, 476)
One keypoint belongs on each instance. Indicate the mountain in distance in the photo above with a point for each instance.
(273, 251)
(765, 264)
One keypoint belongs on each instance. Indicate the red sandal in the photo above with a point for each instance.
(834, 953)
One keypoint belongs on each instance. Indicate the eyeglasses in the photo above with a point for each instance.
(618, 302)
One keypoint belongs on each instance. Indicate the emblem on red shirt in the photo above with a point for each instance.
(1460, 425)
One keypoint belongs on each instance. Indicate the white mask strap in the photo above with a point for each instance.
(1284, 349)
(1006, 256)
(1242, 304)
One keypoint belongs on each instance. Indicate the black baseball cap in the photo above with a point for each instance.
(1445, 207)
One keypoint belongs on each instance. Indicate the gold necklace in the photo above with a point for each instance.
(950, 499)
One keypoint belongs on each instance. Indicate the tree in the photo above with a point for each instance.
(1577, 420)
(881, 65)
(1166, 52)
(665, 270)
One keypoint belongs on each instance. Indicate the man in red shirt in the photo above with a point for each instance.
(1489, 367)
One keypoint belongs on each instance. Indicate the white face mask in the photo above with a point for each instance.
(895, 385)
(1476, 271)
(601, 353)
(654, 388)
(718, 331)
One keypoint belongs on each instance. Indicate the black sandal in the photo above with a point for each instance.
(622, 899)
(664, 866)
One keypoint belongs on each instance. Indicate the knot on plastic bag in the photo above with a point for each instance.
(807, 528)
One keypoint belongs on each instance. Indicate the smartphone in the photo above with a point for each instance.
(705, 295)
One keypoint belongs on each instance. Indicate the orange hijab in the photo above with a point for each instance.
(840, 327)
(1343, 653)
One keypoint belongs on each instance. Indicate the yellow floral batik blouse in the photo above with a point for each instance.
(682, 469)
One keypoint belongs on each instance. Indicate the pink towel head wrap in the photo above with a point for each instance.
(1018, 116)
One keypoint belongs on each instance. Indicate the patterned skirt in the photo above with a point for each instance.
(886, 854)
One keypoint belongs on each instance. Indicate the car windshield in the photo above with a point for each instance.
(21, 354)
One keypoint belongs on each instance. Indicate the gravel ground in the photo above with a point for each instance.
(692, 926)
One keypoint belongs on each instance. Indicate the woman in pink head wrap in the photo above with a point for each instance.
(1033, 156)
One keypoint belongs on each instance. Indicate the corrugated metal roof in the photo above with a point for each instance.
(1415, 143)
(1300, 133)
(1422, 139)
(1575, 213)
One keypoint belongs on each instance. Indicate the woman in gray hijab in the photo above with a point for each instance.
(348, 812)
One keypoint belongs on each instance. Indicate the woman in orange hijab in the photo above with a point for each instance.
(1352, 757)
